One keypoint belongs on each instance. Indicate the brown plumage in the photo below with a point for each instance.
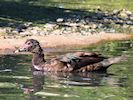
(71, 62)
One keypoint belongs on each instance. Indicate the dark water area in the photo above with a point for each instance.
(18, 82)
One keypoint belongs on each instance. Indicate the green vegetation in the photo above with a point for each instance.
(40, 12)
(89, 4)
(49, 10)
(79, 4)
(113, 47)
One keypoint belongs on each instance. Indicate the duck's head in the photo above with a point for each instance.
(31, 45)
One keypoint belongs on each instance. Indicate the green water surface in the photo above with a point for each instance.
(17, 82)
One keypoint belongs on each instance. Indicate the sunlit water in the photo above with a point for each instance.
(17, 82)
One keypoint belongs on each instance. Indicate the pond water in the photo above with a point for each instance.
(17, 82)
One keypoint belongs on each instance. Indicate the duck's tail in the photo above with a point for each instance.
(113, 60)
(103, 65)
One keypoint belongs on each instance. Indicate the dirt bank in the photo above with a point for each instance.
(9, 45)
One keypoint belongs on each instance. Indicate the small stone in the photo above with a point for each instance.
(106, 20)
(2, 32)
(56, 32)
(115, 11)
(131, 17)
(25, 33)
(110, 30)
(34, 32)
(129, 12)
(93, 26)
(125, 26)
(125, 13)
(36, 28)
(21, 28)
(59, 20)
(129, 22)
(50, 26)
(8, 30)
(28, 24)
(83, 21)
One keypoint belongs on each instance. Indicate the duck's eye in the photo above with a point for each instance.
(29, 43)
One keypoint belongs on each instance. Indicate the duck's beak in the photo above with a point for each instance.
(16, 51)
(21, 50)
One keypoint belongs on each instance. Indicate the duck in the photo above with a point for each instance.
(70, 62)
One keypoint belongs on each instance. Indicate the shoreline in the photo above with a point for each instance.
(8, 46)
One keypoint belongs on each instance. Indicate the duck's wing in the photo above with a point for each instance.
(74, 61)
(81, 58)
(70, 57)
(86, 54)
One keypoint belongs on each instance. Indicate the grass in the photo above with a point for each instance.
(84, 4)
(48, 10)
(43, 11)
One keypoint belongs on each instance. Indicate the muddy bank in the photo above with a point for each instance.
(7, 46)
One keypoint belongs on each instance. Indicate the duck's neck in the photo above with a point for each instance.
(38, 58)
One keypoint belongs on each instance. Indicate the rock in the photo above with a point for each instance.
(50, 26)
(85, 26)
(79, 24)
(106, 20)
(125, 26)
(129, 12)
(93, 26)
(100, 25)
(83, 21)
(36, 28)
(67, 30)
(59, 20)
(111, 30)
(21, 28)
(116, 12)
(122, 13)
(98, 8)
(57, 32)
(125, 13)
(99, 16)
(34, 32)
(73, 24)
(85, 33)
(25, 33)
(129, 22)
(131, 17)
(29, 24)
(2, 32)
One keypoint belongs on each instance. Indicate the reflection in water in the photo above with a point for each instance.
(78, 79)
(37, 83)
(66, 79)
(18, 82)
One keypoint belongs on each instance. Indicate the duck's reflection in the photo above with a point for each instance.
(37, 85)
(78, 79)
(67, 79)
(38, 80)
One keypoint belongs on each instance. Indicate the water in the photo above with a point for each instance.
(17, 82)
